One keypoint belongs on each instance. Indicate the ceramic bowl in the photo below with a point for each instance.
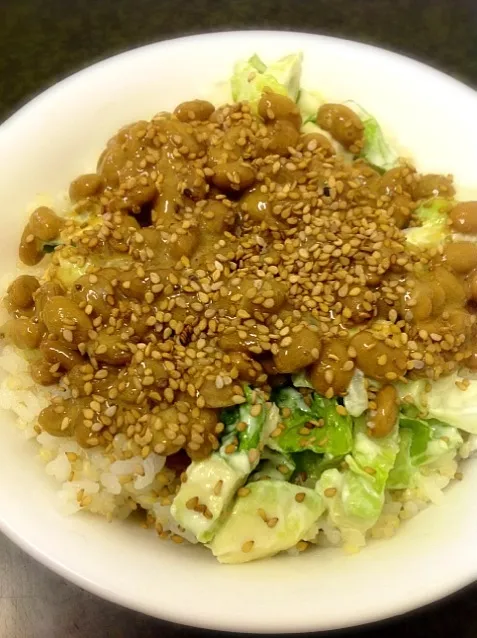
(59, 135)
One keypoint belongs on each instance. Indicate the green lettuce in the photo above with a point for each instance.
(356, 398)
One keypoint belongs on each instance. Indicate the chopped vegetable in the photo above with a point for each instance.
(422, 442)
(318, 427)
(251, 77)
(308, 102)
(377, 151)
(274, 465)
(355, 497)
(310, 467)
(356, 399)
(212, 483)
(301, 380)
(434, 228)
(210, 487)
(270, 517)
(446, 400)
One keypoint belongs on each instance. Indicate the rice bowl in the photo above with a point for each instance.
(59, 471)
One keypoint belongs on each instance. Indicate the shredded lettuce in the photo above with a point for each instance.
(248, 438)
(301, 380)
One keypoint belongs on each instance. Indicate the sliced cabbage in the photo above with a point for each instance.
(445, 401)
(309, 102)
(355, 497)
(248, 438)
(422, 442)
(317, 427)
(204, 499)
(251, 77)
(213, 483)
(434, 229)
(301, 380)
(67, 271)
(274, 465)
(310, 466)
(356, 399)
(272, 517)
(376, 150)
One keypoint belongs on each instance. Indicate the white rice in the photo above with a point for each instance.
(111, 485)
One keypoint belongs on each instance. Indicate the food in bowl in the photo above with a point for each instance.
(254, 323)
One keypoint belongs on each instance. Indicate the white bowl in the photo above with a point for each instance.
(59, 135)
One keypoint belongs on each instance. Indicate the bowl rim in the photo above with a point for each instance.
(62, 569)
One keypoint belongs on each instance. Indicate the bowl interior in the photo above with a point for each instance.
(59, 135)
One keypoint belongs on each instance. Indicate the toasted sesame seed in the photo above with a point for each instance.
(256, 409)
(247, 546)
(67, 335)
(263, 515)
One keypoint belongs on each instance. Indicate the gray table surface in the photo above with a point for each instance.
(44, 40)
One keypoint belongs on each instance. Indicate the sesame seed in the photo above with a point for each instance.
(67, 335)
(256, 409)
(263, 515)
(247, 546)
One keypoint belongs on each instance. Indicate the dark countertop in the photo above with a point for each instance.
(42, 41)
